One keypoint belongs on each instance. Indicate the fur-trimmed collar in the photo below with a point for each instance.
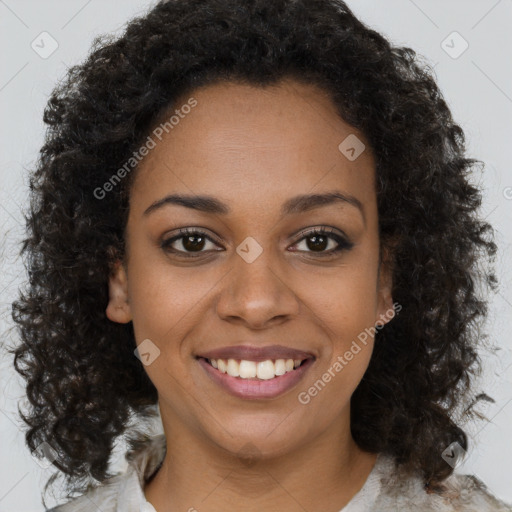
(383, 491)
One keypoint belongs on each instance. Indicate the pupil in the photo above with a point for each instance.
(317, 244)
(190, 245)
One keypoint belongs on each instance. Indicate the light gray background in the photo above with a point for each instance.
(477, 85)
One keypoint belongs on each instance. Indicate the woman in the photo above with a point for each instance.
(253, 218)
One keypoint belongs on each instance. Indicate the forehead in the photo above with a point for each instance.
(247, 143)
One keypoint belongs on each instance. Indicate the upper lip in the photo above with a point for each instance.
(256, 353)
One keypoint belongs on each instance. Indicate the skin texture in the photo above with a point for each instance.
(254, 148)
(84, 386)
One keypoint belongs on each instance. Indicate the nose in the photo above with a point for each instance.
(257, 293)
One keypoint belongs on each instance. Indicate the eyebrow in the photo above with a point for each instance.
(294, 205)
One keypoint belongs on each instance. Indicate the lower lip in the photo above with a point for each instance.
(256, 388)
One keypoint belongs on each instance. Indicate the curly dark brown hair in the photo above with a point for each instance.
(83, 381)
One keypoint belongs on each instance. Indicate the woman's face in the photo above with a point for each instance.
(255, 276)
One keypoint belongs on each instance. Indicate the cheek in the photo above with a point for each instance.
(345, 307)
(347, 300)
(166, 301)
(163, 302)
(331, 388)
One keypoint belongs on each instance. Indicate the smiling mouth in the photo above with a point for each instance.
(244, 369)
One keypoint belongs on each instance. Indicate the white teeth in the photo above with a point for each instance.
(223, 367)
(233, 368)
(247, 370)
(263, 370)
(280, 367)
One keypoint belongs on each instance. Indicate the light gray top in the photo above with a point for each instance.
(383, 490)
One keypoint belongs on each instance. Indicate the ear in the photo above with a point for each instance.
(385, 307)
(118, 308)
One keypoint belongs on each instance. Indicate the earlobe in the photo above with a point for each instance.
(118, 308)
(386, 309)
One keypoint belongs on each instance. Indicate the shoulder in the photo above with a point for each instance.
(467, 493)
(104, 497)
(123, 491)
(458, 493)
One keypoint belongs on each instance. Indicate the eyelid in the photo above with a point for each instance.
(188, 231)
(329, 230)
(342, 240)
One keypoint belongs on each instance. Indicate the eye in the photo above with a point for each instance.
(318, 239)
(190, 241)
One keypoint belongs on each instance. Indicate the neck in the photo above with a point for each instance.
(197, 475)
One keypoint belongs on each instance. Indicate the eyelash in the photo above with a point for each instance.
(343, 243)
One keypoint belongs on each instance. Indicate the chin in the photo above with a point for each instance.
(265, 437)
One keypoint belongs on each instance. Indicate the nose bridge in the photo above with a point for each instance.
(256, 292)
